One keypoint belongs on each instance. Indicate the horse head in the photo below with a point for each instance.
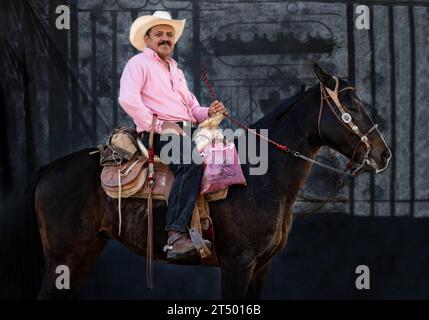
(345, 126)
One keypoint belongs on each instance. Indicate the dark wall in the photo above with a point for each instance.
(60, 87)
(59, 91)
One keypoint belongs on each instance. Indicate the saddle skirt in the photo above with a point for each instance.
(130, 180)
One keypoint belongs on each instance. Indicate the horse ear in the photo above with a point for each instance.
(325, 78)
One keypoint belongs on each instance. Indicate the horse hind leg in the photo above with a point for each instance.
(235, 280)
(65, 275)
(258, 281)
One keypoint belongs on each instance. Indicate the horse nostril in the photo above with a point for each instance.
(385, 155)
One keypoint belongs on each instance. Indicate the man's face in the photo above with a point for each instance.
(161, 40)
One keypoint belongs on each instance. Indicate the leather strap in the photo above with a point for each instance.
(151, 181)
(325, 94)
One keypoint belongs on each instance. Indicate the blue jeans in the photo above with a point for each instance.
(186, 186)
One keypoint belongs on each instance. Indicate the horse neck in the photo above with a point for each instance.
(297, 130)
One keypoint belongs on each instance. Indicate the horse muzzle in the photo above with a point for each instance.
(379, 159)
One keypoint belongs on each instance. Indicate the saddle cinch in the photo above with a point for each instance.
(124, 175)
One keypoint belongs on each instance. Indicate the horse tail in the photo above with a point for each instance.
(22, 260)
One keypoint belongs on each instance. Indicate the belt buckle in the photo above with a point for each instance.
(187, 124)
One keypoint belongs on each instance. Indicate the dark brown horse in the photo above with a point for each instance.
(76, 219)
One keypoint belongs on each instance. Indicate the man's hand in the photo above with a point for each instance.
(216, 107)
(173, 128)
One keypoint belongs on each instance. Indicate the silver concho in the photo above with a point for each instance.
(346, 117)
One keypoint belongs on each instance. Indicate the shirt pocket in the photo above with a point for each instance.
(181, 87)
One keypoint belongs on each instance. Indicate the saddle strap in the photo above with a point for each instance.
(198, 242)
(119, 202)
(149, 255)
(151, 182)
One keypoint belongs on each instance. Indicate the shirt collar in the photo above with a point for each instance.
(150, 53)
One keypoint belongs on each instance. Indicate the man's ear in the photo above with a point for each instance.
(323, 77)
(146, 39)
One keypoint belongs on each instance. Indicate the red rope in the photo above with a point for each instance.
(207, 82)
(151, 155)
(240, 124)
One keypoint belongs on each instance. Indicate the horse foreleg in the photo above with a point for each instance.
(235, 280)
(258, 280)
(83, 271)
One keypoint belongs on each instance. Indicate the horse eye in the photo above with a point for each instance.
(354, 103)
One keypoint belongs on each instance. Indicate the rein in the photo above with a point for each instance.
(279, 146)
(345, 120)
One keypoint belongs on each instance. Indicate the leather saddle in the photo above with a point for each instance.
(128, 179)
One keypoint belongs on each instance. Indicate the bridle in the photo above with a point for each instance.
(346, 120)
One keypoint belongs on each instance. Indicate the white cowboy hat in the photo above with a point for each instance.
(142, 24)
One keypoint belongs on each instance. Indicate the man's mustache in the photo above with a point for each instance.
(164, 42)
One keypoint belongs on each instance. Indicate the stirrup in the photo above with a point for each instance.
(200, 244)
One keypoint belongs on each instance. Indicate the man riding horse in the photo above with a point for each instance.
(152, 83)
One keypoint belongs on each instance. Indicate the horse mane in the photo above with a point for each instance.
(282, 109)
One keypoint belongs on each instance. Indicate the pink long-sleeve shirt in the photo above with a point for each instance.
(148, 87)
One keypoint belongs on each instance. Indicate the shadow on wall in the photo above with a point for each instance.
(319, 263)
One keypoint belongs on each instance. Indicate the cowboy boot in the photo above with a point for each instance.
(180, 247)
